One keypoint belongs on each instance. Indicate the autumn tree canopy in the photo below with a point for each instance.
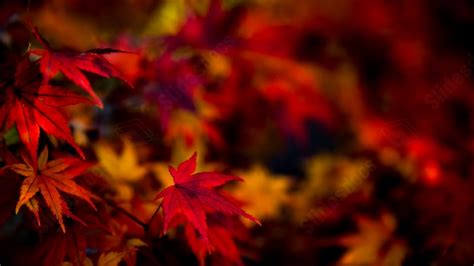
(236, 132)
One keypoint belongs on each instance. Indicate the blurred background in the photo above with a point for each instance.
(350, 121)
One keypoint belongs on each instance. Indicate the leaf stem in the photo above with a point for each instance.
(148, 225)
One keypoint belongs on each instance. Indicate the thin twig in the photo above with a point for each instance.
(148, 225)
(132, 217)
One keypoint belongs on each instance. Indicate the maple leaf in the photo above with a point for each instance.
(112, 258)
(181, 151)
(48, 178)
(128, 254)
(329, 177)
(31, 106)
(115, 243)
(122, 169)
(375, 244)
(272, 191)
(72, 64)
(193, 195)
(223, 231)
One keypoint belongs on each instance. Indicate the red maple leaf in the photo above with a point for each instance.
(223, 231)
(30, 105)
(71, 64)
(194, 194)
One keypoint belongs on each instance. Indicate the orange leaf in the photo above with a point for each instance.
(49, 178)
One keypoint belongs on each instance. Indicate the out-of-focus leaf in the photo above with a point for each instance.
(374, 244)
(167, 18)
(329, 176)
(263, 193)
(123, 169)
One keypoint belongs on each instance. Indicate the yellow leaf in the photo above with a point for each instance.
(160, 171)
(87, 262)
(122, 169)
(167, 18)
(123, 166)
(365, 247)
(219, 65)
(263, 193)
(110, 258)
(329, 176)
(135, 242)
